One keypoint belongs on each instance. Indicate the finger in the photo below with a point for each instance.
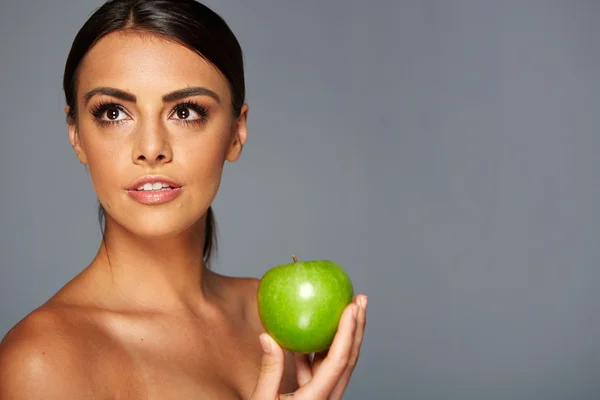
(271, 370)
(318, 360)
(334, 365)
(303, 369)
(361, 320)
(319, 357)
(361, 323)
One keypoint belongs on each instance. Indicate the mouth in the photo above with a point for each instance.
(152, 190)
(153, 184)
(154, 187)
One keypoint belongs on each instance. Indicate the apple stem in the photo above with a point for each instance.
(294, 258)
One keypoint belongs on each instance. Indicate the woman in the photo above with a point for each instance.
(155, 107)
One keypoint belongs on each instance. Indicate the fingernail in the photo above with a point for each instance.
(364, 302)
(354, 310)
(265, 343)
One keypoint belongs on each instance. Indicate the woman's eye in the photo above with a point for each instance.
(114, 114)
(186, 113)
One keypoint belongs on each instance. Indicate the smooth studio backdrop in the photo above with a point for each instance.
(444, 152)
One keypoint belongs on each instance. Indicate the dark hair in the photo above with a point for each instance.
(186, 22)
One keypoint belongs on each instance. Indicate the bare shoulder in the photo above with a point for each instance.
(248, 290)
(241, 290)
(243, 285)
(43, 356)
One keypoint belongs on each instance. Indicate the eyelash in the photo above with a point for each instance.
(200, 110)
(98, 110)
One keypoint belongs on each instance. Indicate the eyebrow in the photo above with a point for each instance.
(188, 92)
(173, 96)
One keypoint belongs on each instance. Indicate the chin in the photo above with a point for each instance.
(153, 232)
(153, 224)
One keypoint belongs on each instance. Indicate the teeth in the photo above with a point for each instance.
(154, 186)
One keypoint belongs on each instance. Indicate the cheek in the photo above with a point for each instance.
(203, 162)
(104, 164)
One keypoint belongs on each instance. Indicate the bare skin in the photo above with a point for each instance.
(147, 319)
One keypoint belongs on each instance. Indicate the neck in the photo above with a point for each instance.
(164, 273)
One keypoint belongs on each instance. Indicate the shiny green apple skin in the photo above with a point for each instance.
(300, 304)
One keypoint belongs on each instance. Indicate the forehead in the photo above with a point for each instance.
(147, 65)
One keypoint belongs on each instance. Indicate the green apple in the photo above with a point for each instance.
(300, 304)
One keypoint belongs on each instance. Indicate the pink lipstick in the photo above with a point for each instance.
(154, 190)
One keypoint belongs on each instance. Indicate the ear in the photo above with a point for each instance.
(240, 134)
(74, 138)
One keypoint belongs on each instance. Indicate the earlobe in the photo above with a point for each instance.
(235, 149)
(240, 136)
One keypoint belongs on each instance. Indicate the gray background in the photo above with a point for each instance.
(444, 152)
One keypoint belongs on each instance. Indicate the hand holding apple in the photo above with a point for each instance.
(327, 375)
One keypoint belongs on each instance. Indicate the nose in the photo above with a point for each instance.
(152, 146)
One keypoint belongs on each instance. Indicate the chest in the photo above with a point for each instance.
(195, 363)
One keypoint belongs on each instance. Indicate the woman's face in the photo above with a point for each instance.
(150, 110)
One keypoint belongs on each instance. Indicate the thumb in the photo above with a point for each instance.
(271, 370)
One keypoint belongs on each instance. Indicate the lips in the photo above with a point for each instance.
(152, 183)
(154, 190)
